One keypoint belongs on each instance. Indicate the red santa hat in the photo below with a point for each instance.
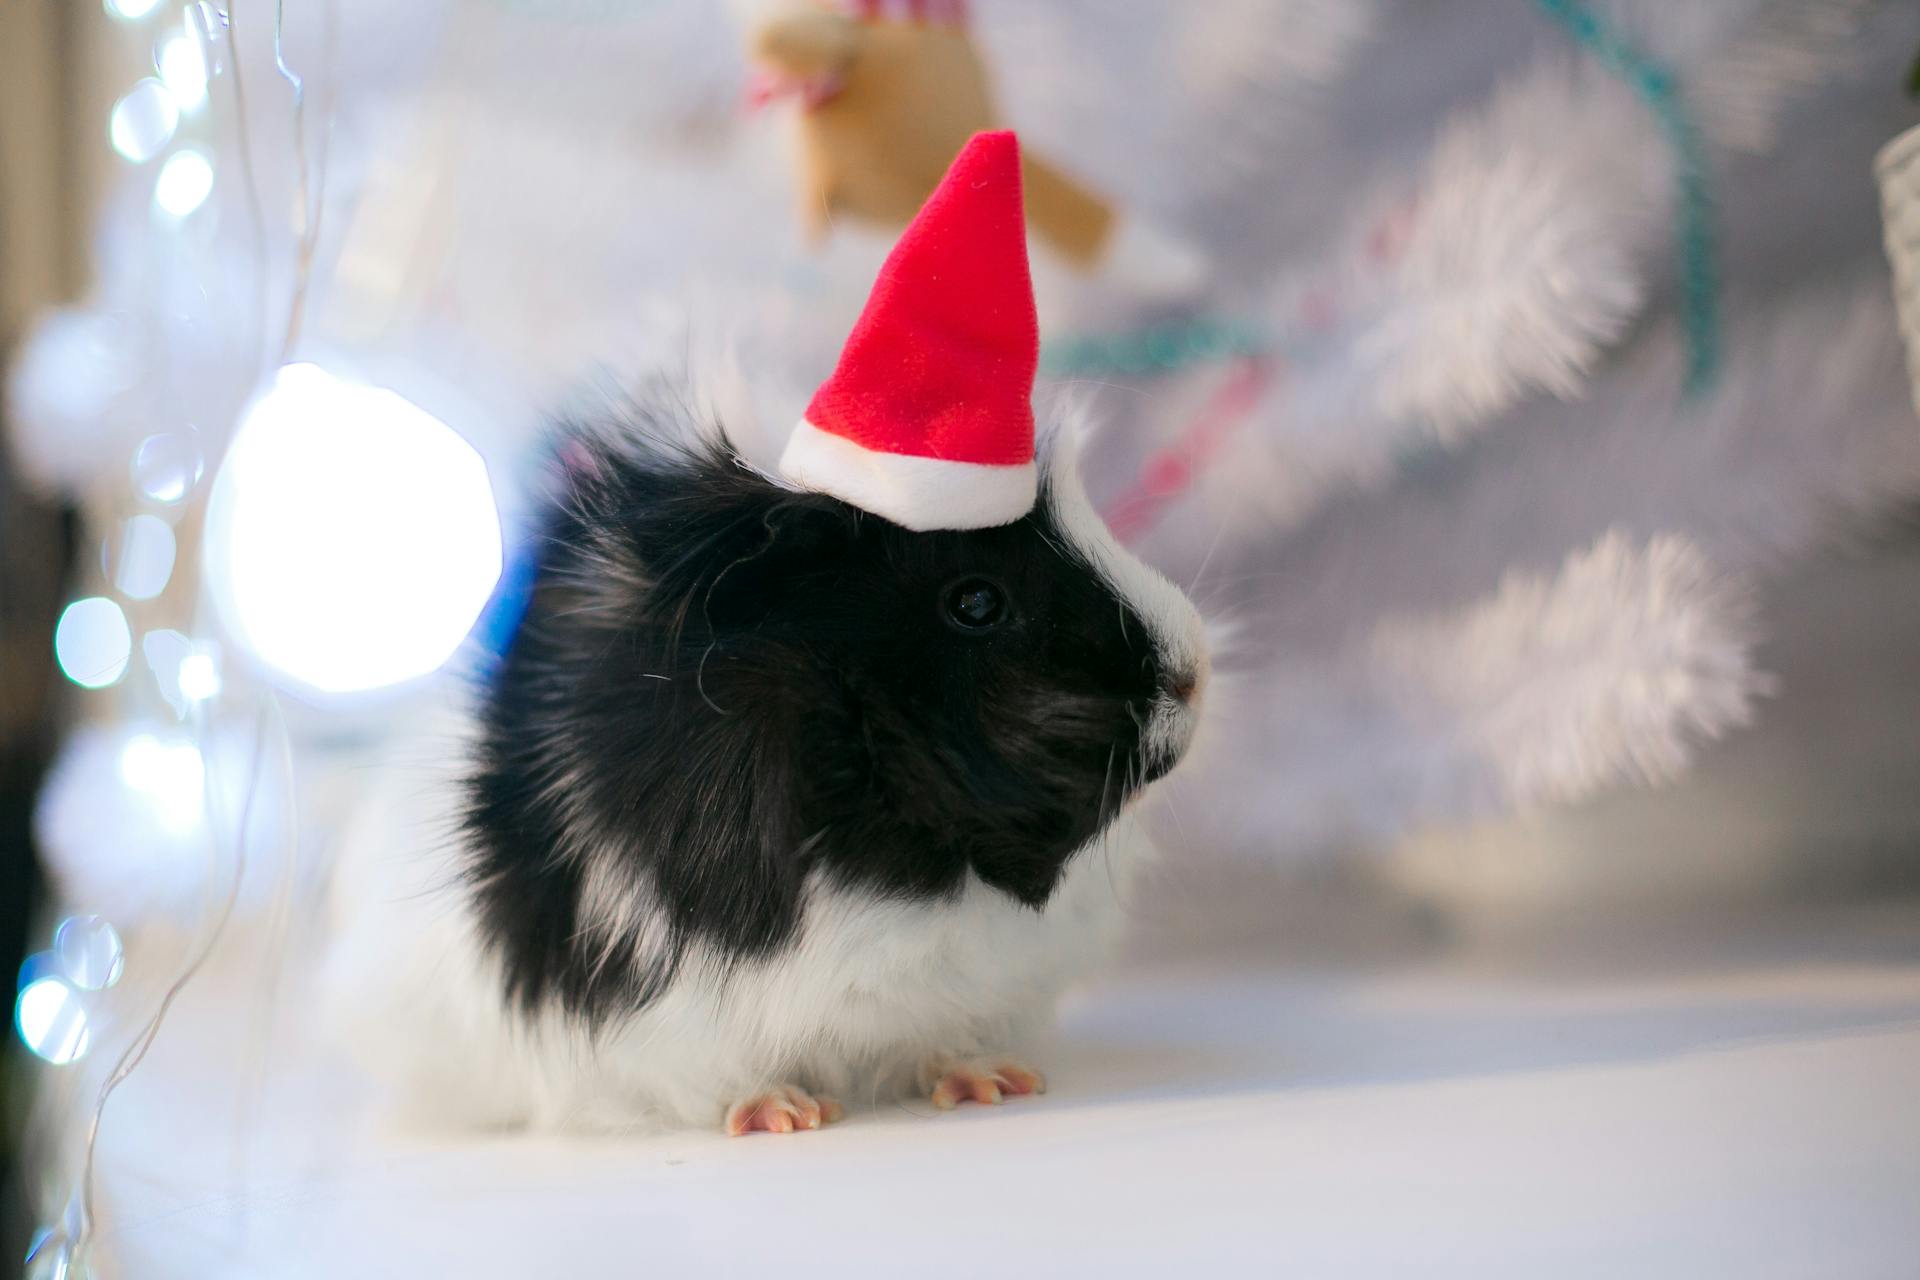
(928, 419)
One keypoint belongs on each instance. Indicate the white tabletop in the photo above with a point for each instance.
(1691, 1100)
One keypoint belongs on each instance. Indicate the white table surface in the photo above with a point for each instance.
(1694, 1099)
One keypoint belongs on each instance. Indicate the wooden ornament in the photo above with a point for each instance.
(887, 102)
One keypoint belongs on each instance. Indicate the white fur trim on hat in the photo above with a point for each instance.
(914, 492)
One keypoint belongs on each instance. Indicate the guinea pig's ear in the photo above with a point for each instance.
(794, 538)
(813, 532)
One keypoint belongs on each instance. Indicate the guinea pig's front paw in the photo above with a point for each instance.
(782, 1110)
(988, 1080)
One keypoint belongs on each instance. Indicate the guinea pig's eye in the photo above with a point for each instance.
(974, 604)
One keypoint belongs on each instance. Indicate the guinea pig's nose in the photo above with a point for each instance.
(1184, 684)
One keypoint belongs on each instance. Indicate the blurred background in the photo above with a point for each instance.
(1518, 385)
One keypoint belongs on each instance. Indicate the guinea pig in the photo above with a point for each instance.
(771, 803)
(789, 789)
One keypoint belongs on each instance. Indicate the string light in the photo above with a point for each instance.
(92, 642)
(140, 560)
(131, 10)
(185, 182)
(39, 965)
(199, 677)
(143, 121)
(183, 69)
(167, 466)
(49, 1009)
(89, 952)
(51, 1020)
(186, 673)
(170, 775)
(165, 775)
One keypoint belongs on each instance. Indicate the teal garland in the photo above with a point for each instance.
(1162, 349)
(1695, 247)
(1170, 348)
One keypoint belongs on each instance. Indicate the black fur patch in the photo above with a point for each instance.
(720, 684)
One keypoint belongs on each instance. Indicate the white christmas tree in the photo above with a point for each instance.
(1522, 364)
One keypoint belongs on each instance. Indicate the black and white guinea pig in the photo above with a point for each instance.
(769, 804)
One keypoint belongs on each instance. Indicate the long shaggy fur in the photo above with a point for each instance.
(744, 804)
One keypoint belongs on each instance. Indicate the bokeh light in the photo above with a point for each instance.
(51, 1019)
(182, 69)
(352, 538)
(170, 775)
(41, 964)
(143, 121)
(185, 182)
(199, 677)
(89, 951)
(164, 650)
(68, 381)
(131, 10)
(185, 671)
(140, 560)
(123, 824)
(167, 466)
(92, 642)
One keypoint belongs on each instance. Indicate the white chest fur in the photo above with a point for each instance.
(869, 991)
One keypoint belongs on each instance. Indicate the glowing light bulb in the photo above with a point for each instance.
(143, 121)
(185, 182)
(352, 538)
(92, 642)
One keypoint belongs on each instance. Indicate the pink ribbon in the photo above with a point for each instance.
(1168, 473)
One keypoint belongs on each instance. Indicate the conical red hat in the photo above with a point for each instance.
(928, 419)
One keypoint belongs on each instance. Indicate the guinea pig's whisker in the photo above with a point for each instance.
(1179, 819)
(1106, 861)
(1058, 550)
(1106, 784)
(1199, 575)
